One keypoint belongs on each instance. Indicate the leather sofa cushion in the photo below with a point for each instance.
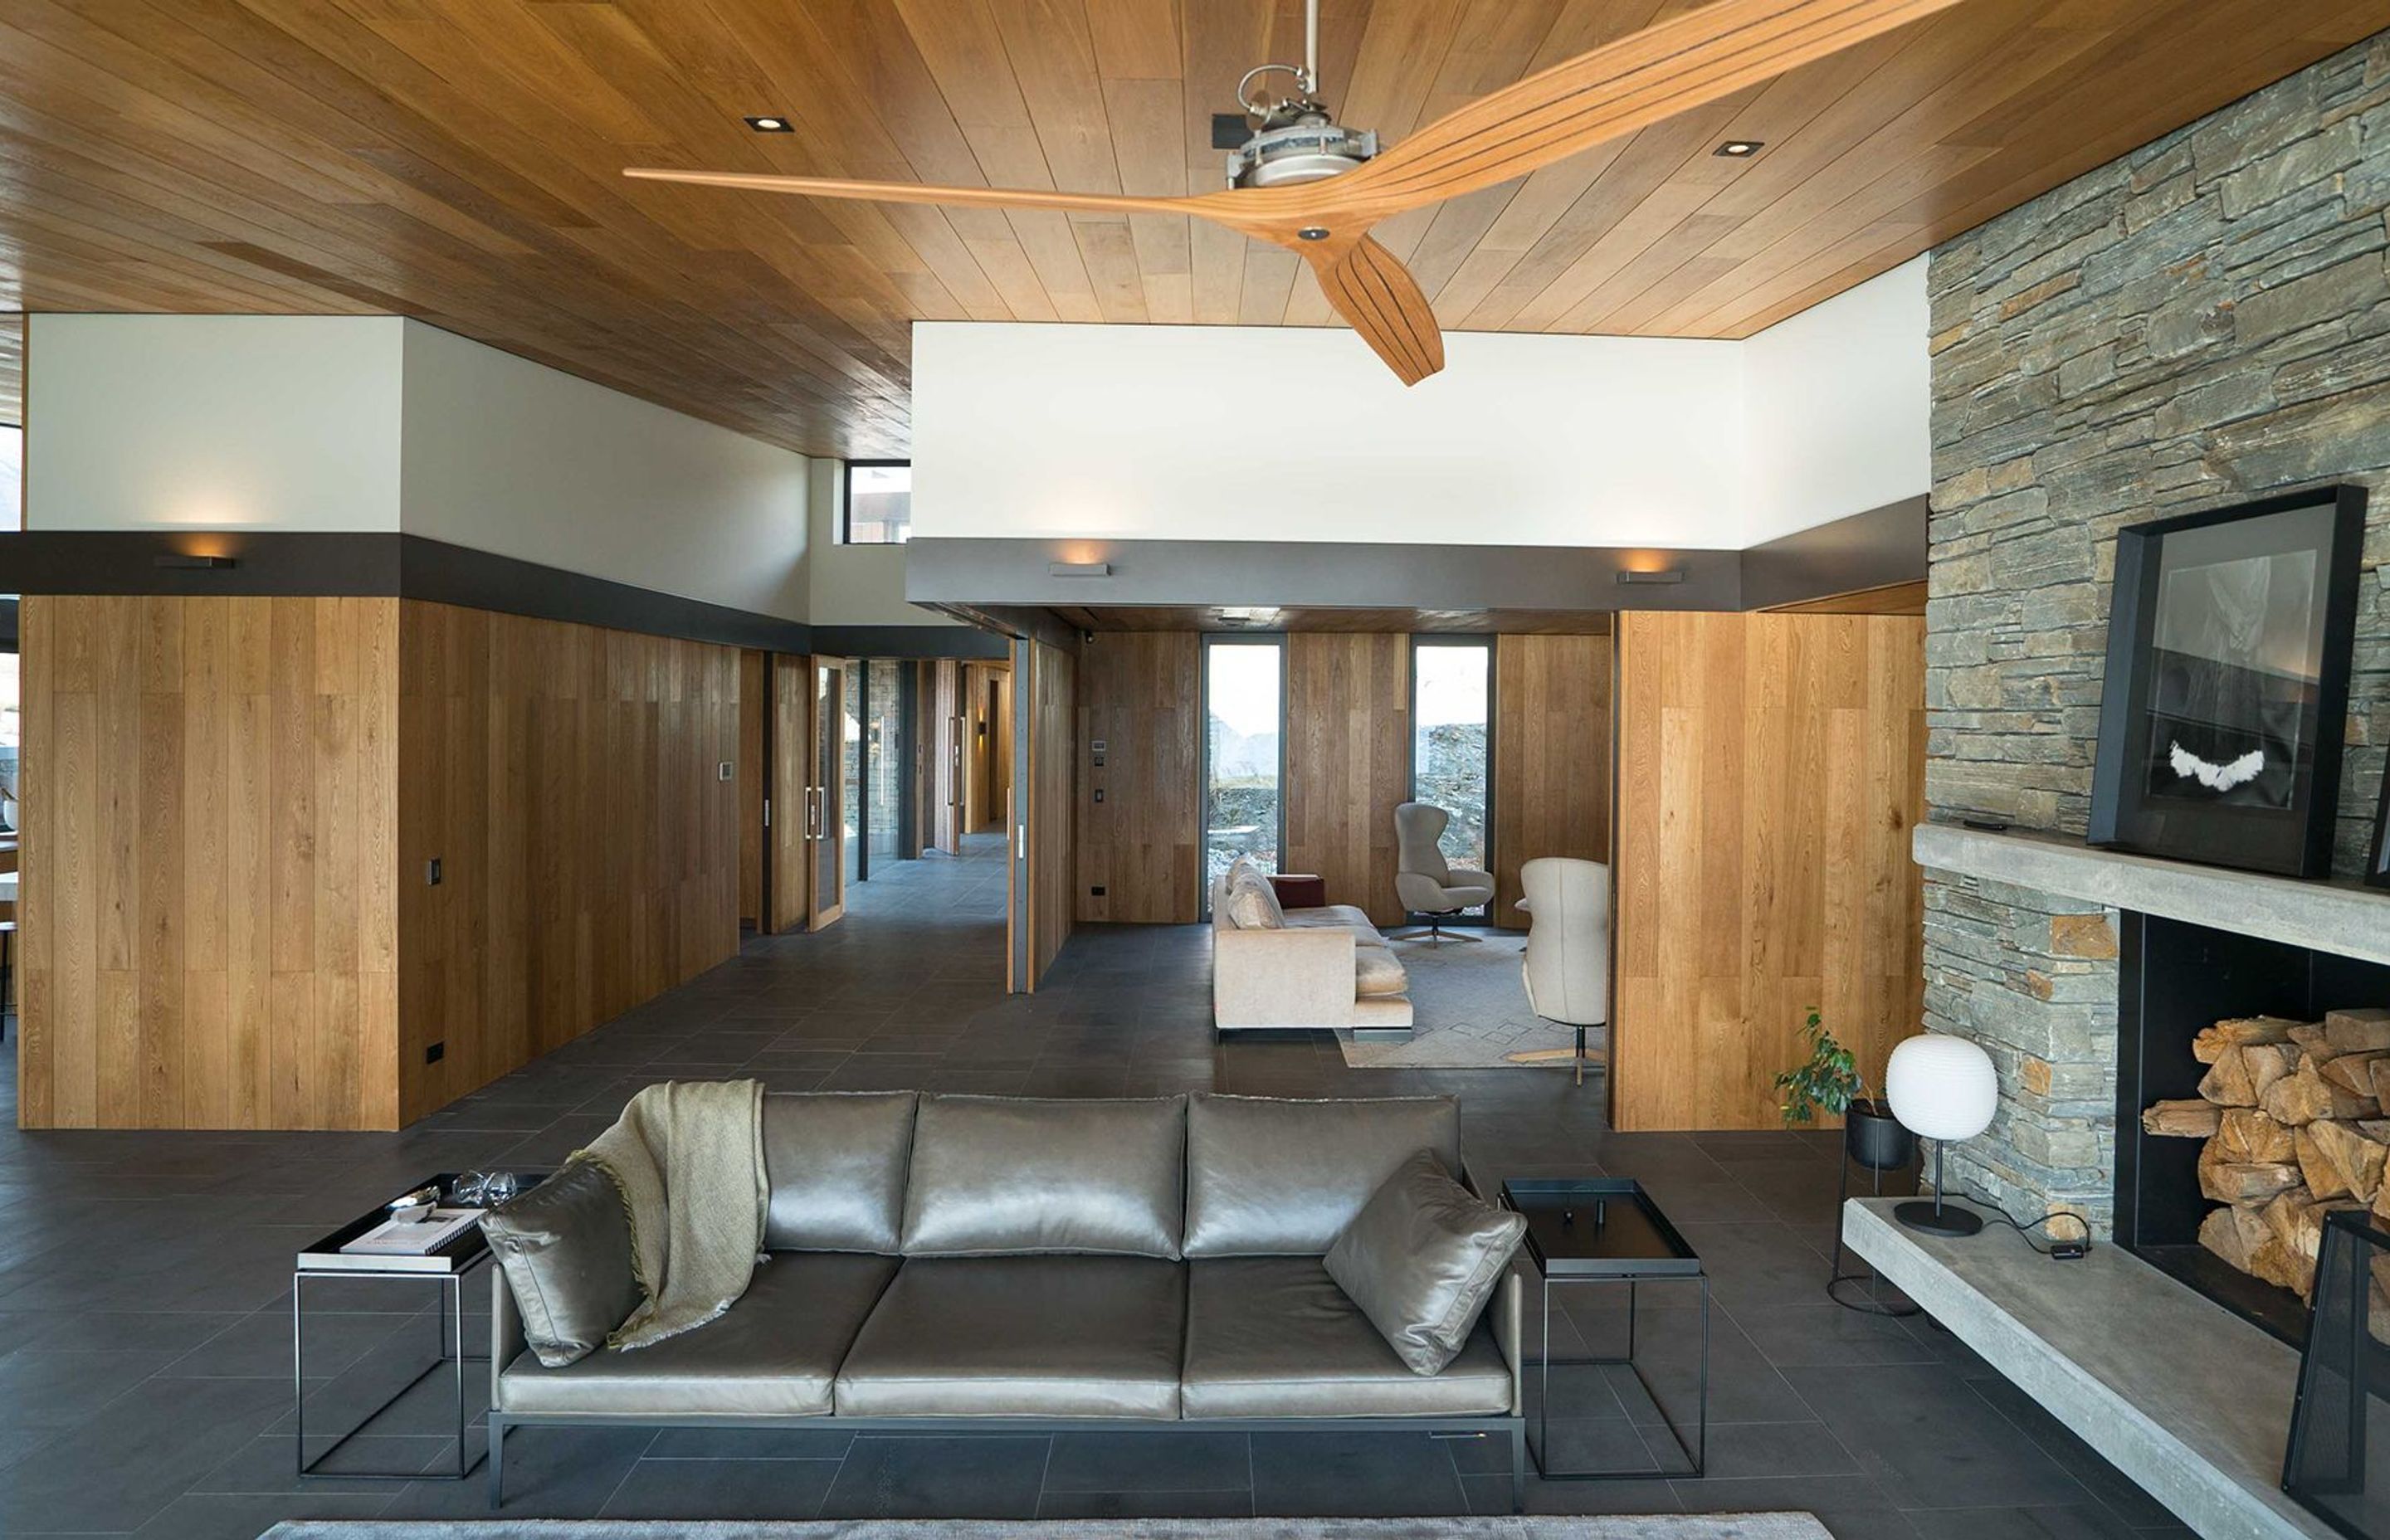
(836, 1163)
(774, 1354)
(1022, 1336)
(1377, 971)
(1274, 1337)
(997, 1174)
(565, 1249)
(1421, 1260)
(1266, 1177)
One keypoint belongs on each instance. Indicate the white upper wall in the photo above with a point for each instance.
(225, 422)
(1300, 434)
(510, 456)
(854, 585)
(1835, 407)
(379, 424)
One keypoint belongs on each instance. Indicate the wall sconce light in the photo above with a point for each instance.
(183, 561)
(1078, 569)
(1669, 574)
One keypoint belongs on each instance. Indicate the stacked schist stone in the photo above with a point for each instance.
(2204, 321)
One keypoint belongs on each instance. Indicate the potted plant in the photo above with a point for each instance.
(1829, 1080)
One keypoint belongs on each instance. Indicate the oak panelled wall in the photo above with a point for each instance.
(566, 779)
(1347, 762)
(230, 808)
(1770, 769)
(1140, 696)
(210, 920)
(1552, 756)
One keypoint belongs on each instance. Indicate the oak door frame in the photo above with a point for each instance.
(825, 789)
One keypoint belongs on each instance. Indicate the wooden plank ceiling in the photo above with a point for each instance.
(457, 160)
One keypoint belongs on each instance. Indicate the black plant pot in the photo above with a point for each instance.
(1874, 1139)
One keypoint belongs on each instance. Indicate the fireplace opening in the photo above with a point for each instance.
(2175, 980)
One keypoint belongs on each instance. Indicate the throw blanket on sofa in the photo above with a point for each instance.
(689, 1159)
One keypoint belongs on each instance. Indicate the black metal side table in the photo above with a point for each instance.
(1607, 1230)
(443, 1268)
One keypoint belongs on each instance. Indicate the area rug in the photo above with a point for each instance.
(1639, 1526)
(1468, 1009)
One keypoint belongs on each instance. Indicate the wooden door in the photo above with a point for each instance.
(825, 806)
(946, 831)
(791, 735)
(754, 784)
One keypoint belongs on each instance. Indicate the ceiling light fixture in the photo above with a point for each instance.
(770, 125)
(1740, 149)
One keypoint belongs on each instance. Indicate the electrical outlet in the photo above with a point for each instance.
(436, 1052)
(725, 771)
(1100, 794)
(432, 872)
(1096, 892)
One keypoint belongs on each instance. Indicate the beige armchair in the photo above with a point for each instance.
(1567, 964)
(1424, 881)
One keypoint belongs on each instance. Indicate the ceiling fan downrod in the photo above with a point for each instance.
(1295, 138)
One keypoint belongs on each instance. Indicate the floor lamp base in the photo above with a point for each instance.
(1944, 1219)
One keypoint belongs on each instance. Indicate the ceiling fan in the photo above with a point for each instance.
(1303, 182)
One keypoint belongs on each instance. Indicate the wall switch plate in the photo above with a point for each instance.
(436, 1052)
(432, 872)
(725, 771)
(1100, 794)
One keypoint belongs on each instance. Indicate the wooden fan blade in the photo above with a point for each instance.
(1371, 287)
(914, 192)
(1680, 64)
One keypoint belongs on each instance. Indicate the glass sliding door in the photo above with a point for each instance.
(1245, 709)
(1452, 699)
(884, 758)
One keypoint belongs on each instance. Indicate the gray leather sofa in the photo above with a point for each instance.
(980, 1263)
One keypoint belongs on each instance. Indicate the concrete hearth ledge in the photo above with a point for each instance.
(2104, 1344)
(2325, 916)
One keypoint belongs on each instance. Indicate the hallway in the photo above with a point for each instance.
(144, 1367)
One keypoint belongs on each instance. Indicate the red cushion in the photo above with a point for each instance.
(1300, 890)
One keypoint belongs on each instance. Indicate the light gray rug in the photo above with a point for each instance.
(1469, 1009)
(1657, 1526)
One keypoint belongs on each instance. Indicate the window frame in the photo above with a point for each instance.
(1491, 643)
(1209, 639)
(847, 500)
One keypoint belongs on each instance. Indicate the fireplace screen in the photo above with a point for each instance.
(2339, 1458)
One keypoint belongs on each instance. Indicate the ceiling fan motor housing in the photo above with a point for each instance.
(1306, 149)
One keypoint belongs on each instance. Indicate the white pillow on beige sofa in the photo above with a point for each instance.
(1252, 901)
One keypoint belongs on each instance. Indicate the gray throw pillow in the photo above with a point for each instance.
(565, 1247)
(1421, 1259)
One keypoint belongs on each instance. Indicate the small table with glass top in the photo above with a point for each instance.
(1607, 1230)
(444, 1267)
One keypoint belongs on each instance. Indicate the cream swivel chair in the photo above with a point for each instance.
(1567, 964)
(1424, 881)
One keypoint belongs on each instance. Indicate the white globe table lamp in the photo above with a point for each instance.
(1941, 1088)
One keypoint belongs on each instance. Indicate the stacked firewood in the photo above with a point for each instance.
(2292, 1114)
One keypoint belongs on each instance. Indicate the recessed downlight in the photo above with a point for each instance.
(1740, 149)
(771, 124)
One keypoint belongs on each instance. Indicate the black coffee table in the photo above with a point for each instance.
(445, 1269)
(1607, 1230)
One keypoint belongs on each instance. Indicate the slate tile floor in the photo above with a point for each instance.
(145, 1370)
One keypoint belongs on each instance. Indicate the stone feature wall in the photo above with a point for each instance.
(2204, 321)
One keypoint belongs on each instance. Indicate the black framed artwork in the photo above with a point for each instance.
(2228, 641)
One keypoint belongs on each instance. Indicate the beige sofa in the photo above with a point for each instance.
(1314, 967)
